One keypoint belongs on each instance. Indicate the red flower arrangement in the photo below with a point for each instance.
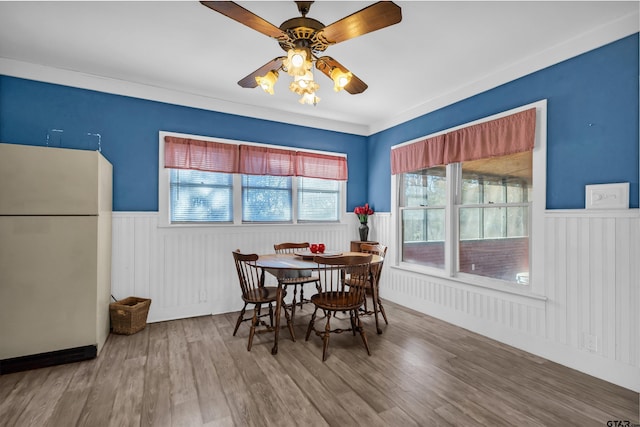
(363, 212)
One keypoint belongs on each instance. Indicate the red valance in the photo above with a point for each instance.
(257, 160)
(507, 135)
(182, 153)
(317, 165)
(211, 156)
(418, 155)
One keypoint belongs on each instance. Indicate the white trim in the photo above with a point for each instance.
(573, 213)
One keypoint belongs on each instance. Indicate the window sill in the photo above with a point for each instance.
(209, 225)
(476, 282)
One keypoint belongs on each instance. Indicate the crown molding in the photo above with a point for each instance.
(47, 74)
(593, 39)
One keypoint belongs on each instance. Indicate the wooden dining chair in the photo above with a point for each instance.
(335, 295)
(373, 284)
(251, 280)
(295, 278)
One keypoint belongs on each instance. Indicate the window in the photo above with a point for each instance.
(318, 199)
(470, 219)
(422, 202)
(190, 193)
(266, 198)
(493, 215)
(201, 196)
(491, 211)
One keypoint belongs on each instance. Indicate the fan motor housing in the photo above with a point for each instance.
(303, 32)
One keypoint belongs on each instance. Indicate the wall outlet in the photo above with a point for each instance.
(591, 342)
(473, 267)
(203, 295)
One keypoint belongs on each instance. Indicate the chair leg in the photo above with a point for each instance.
(311, 323)
(362, 333)
(254, 322)
(325, 337)
(289, 321)
(301, 296)
(240, 319)
(384, 315)
(271, 314)
(353, 323)
(293, 302)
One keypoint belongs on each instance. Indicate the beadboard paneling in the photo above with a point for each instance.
(591, 285)
(189, 271)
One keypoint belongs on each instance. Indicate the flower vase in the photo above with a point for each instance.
(364, 232)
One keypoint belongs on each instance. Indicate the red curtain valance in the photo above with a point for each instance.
(507, 135)
(317, 165)
(419, 155)
(184, 153)
(256, 160)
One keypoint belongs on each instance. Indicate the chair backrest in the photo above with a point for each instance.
(288, 248)
(380, 250)
(335, 270)
(250, 276)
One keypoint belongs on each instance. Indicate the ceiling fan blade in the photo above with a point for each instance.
(326, 63)
(250, 80)
(238, 13)
(378, 15)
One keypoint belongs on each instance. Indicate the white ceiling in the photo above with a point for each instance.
(185, 53)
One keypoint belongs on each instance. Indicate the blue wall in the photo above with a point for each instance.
(129, 129)
(592, 124)
(592, 129)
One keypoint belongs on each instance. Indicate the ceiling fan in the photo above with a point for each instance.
(304, 39)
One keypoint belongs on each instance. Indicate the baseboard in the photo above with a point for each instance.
(52, 358)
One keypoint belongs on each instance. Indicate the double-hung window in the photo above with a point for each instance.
(213, 181)
(465, 200)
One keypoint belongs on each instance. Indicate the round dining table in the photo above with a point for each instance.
(283, 263)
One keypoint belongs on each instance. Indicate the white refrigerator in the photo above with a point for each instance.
(55, 255)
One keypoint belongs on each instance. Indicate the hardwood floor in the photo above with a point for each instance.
(422, 372)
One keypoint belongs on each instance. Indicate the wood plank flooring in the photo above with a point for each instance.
(422, 372)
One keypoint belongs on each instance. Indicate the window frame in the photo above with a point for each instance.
(536, 218)
(164, 199)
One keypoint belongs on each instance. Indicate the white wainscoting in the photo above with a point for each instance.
(592, 289)
(592, 283)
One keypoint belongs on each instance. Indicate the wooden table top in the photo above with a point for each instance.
(296, 262)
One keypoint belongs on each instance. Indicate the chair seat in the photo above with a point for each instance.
(262, 295)
(298, 280)
(336, 300)
(358, 282)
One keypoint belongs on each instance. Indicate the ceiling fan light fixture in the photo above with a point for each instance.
(309, 98)
(304, 84)
(340, 78)
(268, 81)
(297, 62)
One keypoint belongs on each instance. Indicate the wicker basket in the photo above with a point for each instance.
(129, 315)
